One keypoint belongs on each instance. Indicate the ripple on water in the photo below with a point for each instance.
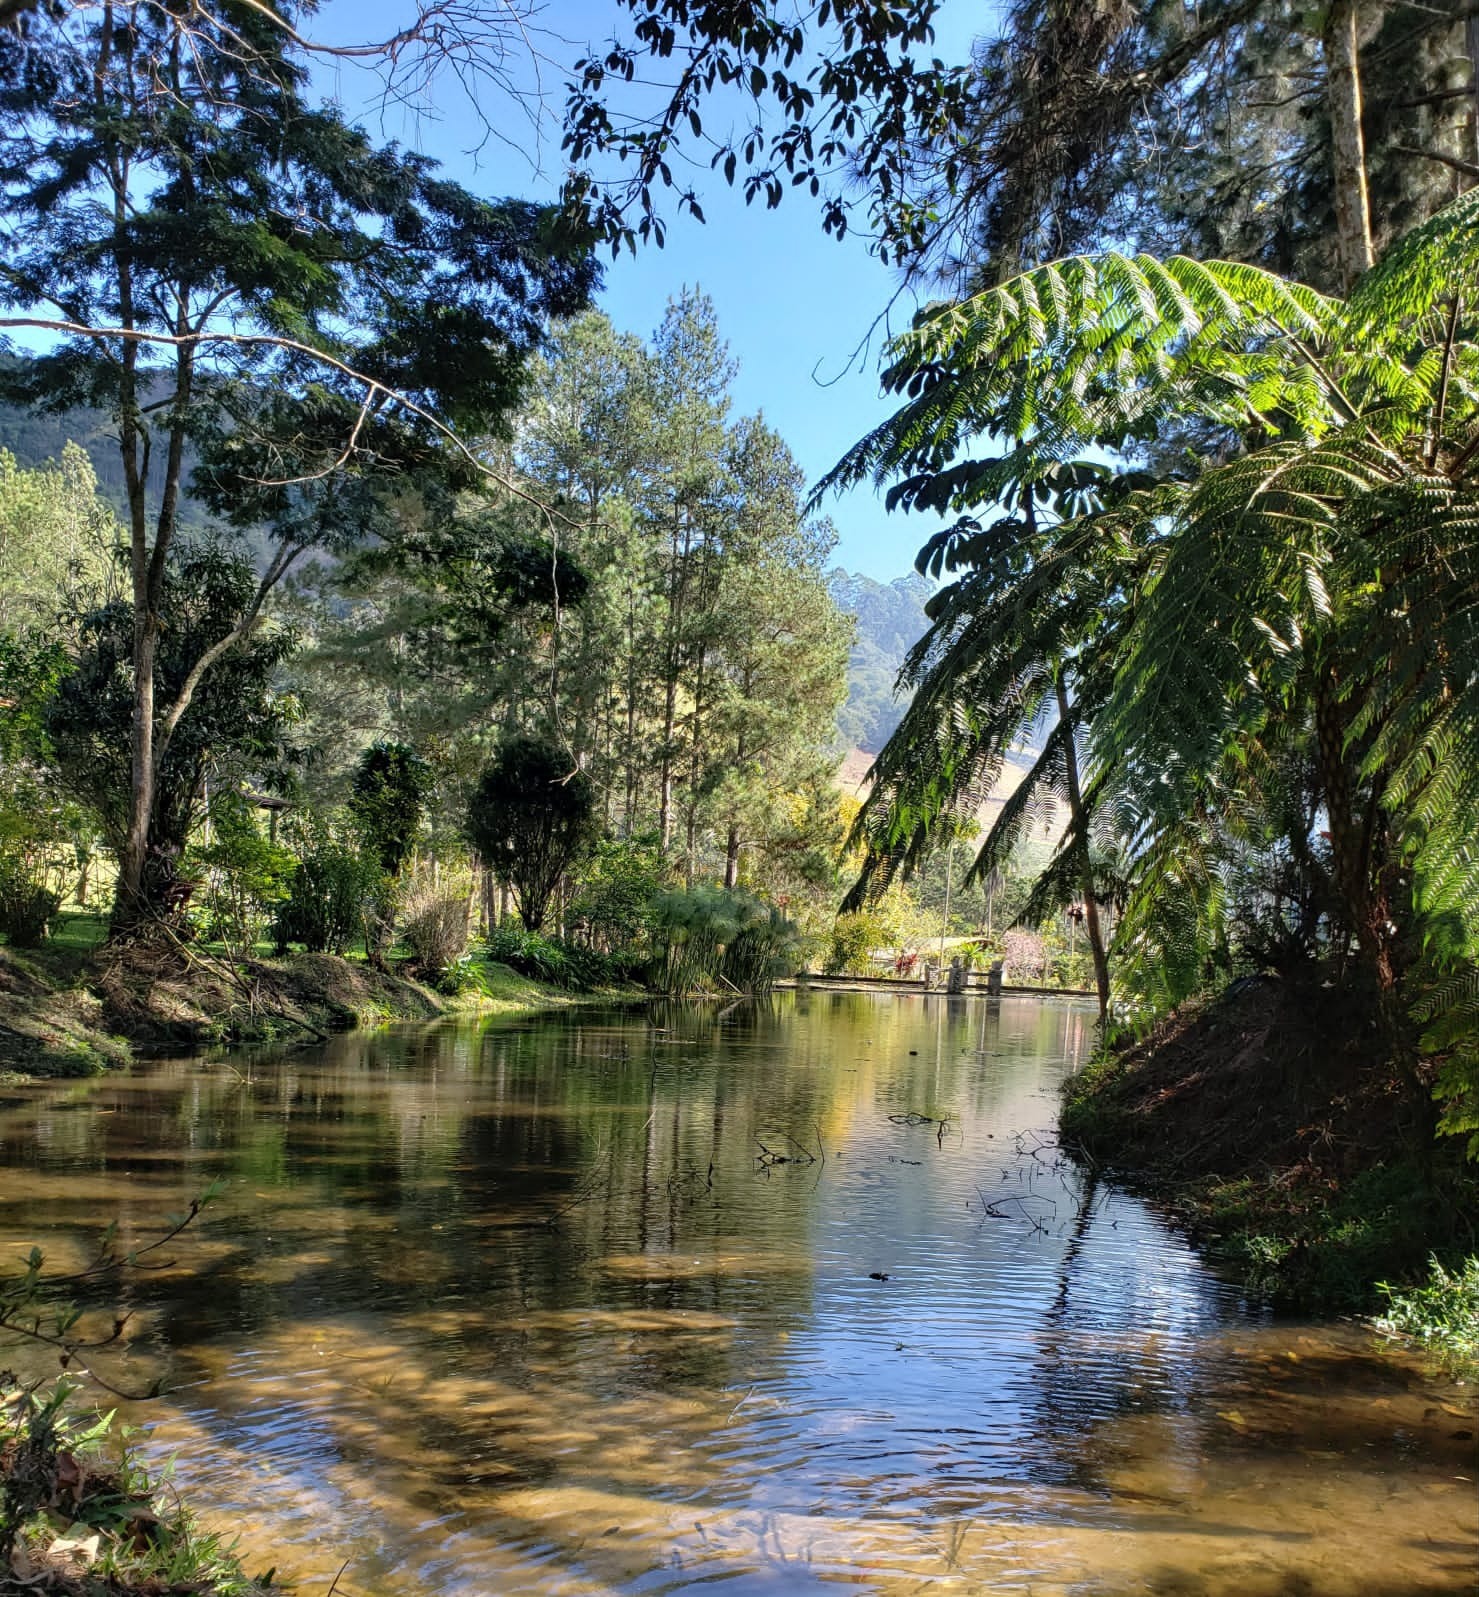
(518, 1309)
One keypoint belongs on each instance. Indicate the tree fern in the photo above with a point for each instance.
(1273, 646)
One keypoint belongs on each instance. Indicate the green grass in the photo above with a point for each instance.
(1322, 1246)
(1442, 1313)
(146, 1542)
(77, 932)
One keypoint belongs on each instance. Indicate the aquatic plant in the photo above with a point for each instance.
(713, 937)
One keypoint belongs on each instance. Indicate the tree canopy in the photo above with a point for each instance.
(225, 262)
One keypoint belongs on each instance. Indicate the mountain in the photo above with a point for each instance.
(34, 437)
(890, 620)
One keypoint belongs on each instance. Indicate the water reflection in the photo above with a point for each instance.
(520, 1308)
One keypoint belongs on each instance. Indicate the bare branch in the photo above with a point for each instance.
(1468, 168)
(204, 336)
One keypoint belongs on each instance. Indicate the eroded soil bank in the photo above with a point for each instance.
(1280, 1138)
(65, 1013)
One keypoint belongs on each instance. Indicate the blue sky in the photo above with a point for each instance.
(799, 309)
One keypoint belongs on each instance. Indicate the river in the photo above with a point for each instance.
(779, 1296)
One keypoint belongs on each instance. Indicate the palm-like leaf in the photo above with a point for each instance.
(1314, 589)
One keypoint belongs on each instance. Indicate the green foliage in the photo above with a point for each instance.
(766, 948)
(1264, 649)
(711, 938)
(531, 818)
(327, 893)
(1442, 1313)
(57, 539)
(237, 729)
(27, 906)
(1154, 124)
(676, 640)
(314, 314)
(244, 875)
(44, 838)
(45, 846)
(306, 229)
(855, 937)
(32, 666)
(388, 799)
(847, 97)
(548, 959)
(613, 899)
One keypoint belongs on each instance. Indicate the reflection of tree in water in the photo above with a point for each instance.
(499, 1215)
(1120, 1336)
(478, 1293)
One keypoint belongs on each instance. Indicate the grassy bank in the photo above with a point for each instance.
(77, 1007)
(1285, 1147)
(80, 1517)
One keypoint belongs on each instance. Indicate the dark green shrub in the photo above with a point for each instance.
(326, 898)
(613, 904)
(531, 818)
(548, 959)
(27, 907)
(391, 785)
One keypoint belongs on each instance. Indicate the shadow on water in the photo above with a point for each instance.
(783, 1295)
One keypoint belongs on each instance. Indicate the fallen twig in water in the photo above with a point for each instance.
(768, 1158)
(914, 1118)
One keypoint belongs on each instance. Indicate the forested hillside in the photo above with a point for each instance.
(889, 616)
(33, 436)
(890, 620)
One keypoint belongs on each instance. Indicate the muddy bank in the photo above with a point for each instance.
(1281, 1138)
(69, 1014)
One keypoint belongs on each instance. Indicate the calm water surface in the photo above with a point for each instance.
(589, 1304)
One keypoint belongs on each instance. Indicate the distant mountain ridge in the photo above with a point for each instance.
(34, 437)
(890, 621)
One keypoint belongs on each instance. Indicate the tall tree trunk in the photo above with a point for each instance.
(138, 896)
(1364, 902)
(1471, 49)
(629, 754)
(1347, 141)
(133, 443)
(695, 766)
(1086, 871)
(672, 661)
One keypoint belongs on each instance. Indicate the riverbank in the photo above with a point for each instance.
(80, 1516)
(66, 1011)
(1284, 1146)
